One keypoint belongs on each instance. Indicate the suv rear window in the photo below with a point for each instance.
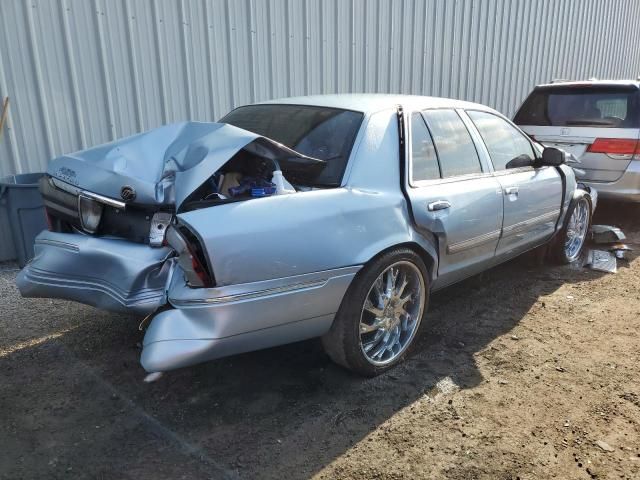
(581, 106)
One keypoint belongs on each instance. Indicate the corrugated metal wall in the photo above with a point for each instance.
(83, 72)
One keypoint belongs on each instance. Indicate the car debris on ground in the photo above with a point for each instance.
(605, 259)
(606, 234)
(619, 249)
(602, 261)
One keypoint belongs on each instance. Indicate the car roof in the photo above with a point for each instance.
(580, 83)
(374, 102)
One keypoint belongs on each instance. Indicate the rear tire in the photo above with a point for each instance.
(570, 241)
(381, 315)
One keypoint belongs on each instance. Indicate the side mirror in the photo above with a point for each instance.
(553, 157)
(519, 162)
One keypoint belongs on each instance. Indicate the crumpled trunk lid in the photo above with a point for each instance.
(106, 273)
(150, 162)
(162, 166)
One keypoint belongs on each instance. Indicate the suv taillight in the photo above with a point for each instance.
(615, 146)
(189, 259)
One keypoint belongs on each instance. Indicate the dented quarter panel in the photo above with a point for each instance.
(286, 235)
(239, 318)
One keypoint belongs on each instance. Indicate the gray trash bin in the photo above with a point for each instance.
(21, 214)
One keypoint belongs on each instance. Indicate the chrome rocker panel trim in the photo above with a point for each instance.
(473, 242)
(519, 227)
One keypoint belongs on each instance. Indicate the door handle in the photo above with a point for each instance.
(438, 205)
(511, 191)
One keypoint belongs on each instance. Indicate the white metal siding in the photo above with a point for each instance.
(83, 72)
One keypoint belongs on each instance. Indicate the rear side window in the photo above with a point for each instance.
(503, 142)
(581, 106)
(456, 150)
(424, 162)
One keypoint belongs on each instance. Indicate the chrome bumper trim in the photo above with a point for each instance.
(73, 190)
(102, 199)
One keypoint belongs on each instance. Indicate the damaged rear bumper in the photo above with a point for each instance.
(206, 324)
(626, 188)
(106, 273)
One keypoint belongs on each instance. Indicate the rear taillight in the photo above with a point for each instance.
(200, 271)
(90, 212)
(615, 146)
(47, 217)
(189, 258)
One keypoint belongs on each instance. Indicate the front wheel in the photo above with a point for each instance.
(572, 238)
(381, 314)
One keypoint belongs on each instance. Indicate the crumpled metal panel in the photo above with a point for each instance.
(213, 323)
(165, 165)
(107, 273)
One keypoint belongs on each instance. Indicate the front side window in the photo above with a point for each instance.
(456, 150)
(424, 162)
(503, 142)
(318, 132)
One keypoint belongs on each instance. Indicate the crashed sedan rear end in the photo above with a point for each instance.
(156, 223)
(330, 216)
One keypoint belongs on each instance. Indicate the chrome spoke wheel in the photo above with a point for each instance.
(577, 230)
(392, 312)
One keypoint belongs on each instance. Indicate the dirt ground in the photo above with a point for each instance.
(523, 373)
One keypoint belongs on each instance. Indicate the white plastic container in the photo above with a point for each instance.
(282, 186)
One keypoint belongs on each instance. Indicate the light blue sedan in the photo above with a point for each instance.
(324, 216)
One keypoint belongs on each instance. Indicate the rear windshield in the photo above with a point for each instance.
(319, 132)
(612, 107)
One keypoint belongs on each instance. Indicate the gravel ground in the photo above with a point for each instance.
(528, 371)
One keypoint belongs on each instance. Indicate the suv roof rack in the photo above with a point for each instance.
(560, 80)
